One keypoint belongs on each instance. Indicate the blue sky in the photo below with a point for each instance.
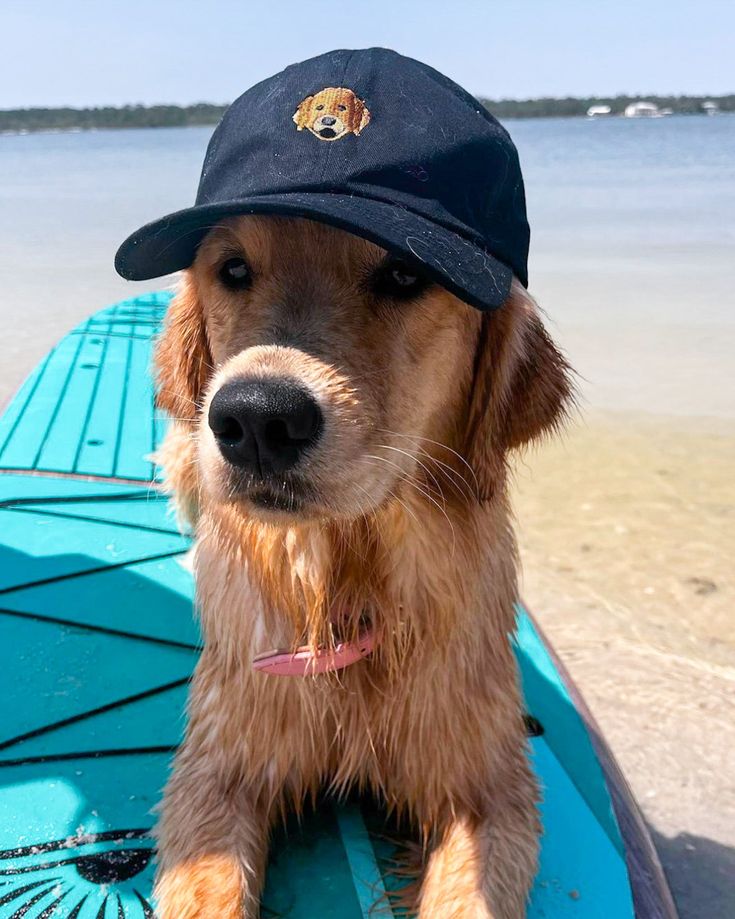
(95, 52)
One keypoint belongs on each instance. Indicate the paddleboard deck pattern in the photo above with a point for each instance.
(99, 642)
(87, 409)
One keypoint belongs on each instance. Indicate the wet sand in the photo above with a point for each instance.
(627, 534)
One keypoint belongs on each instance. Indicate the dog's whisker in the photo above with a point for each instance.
(405, 506)
(414, 459)
(185, 424)
(462, 487)
(442, 510)
(394, 496)
(449, 449)
(178, 395)
(435, 443)
(455, 478)
(409, 480)
(407, 477)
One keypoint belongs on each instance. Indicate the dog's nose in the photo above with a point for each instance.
(264, 426)
(327, 119)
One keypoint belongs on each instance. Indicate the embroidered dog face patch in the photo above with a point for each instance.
(332, 113)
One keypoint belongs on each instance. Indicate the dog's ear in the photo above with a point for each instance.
(301, 115)
(522, 387)
(182, 357)
(361, 118)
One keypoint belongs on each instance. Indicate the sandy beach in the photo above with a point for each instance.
(627, 540)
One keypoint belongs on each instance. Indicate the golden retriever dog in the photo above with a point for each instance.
(332, 113)
(342, 427)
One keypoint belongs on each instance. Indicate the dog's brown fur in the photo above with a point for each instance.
(406, 520)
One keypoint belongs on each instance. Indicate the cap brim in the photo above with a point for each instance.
(460, 265)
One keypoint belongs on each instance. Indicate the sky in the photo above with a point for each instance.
(106, 52)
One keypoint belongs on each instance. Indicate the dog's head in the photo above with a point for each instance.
(332, 113)
(321, 377)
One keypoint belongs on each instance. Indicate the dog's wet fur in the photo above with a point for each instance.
(399, 514)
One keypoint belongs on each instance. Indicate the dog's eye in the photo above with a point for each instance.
(341, 108)
(399, 280)
(235, 274)
(319, 107)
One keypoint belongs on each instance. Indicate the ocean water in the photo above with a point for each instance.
(632, 252)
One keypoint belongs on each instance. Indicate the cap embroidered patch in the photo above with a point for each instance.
(332, 113)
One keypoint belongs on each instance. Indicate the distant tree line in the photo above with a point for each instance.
(127, 116)
(570, 107)
(205, 113)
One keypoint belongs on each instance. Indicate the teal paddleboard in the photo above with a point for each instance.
(98, 643)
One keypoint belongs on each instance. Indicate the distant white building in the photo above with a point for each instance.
(641, 110)
(645, 110)
(594, 111)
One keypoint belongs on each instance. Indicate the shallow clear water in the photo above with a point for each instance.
(632, 254)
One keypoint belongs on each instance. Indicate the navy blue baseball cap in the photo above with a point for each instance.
(377, 144)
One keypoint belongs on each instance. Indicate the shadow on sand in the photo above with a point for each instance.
(701, 874)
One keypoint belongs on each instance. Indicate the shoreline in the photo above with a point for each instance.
(495, 108)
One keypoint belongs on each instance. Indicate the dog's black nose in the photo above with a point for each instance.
(264, 426)
(327, 119)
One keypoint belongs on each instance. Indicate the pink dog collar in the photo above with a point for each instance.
(304, 662)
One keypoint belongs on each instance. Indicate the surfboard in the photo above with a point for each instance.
(99, 641)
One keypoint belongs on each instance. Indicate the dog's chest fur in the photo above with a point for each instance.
(422, 698)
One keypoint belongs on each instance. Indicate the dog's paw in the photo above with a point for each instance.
(209, 887)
